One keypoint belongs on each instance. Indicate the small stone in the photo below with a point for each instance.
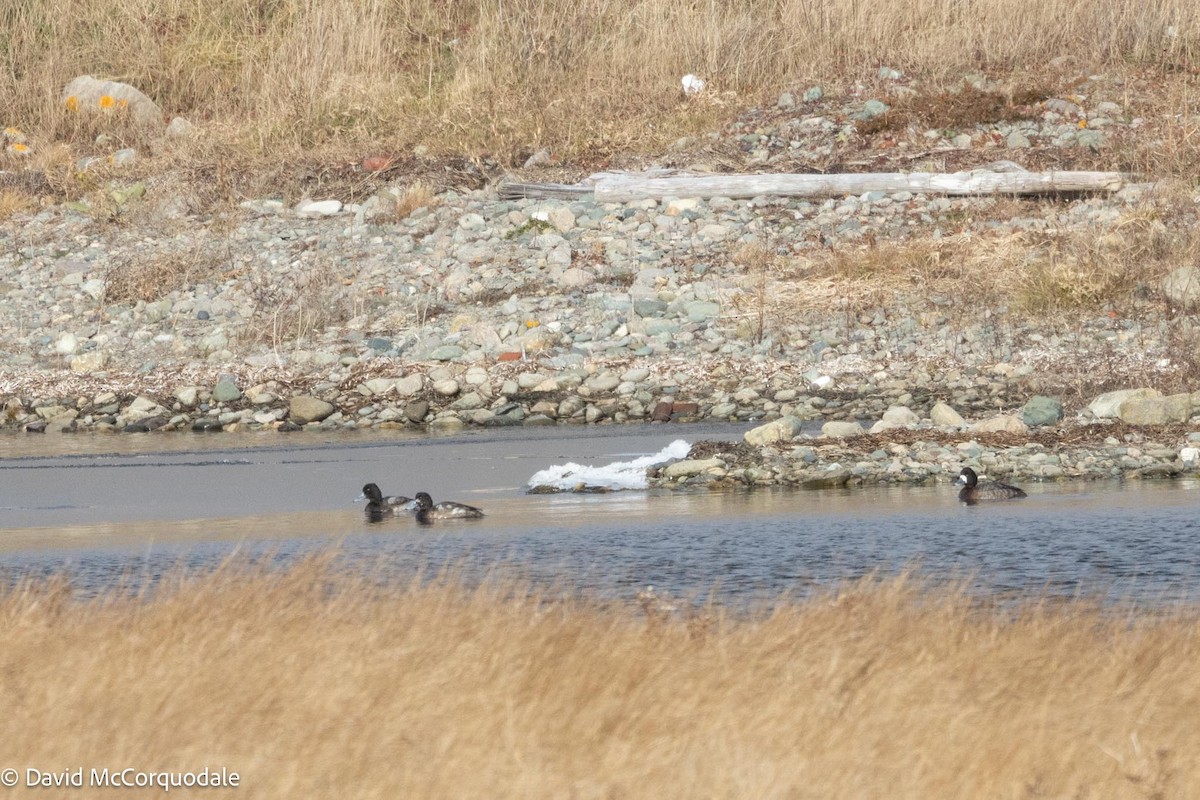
(188, 396)
(1004, 423)
(690, 467)
(318, 208)
(813, 94)
(1041, 410)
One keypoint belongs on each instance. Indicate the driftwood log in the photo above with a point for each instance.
(612, 187)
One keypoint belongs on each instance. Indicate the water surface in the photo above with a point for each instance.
(104, 507)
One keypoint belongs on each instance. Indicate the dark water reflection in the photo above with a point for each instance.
(1113, 541)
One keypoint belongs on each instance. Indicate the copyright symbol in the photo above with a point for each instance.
(9, 777)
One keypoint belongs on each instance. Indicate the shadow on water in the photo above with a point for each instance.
(100, 515)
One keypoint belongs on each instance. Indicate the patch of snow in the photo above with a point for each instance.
(615, 476)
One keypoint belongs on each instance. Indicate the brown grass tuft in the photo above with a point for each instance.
(155, 275)
(14, 202)
(313, 683)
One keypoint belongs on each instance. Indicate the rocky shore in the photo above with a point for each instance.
(458, 308)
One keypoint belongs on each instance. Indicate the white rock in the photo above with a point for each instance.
(1190, 456)
(86, 95)
(67, 344)
(781, 430)
(318, 208)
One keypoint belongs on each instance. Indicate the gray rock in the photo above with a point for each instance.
(1108, 405)
(468, 402)
(690, 467)
(1156, 410)
(945, 416)
(781, 430)
(305, 408)
(840, 430)
(787, 101)
(86, 95)
(1003, 423)
(226, 390)
(188, 396)
(417, 410)
(813, 94)
(701, 310)
(446, 388)
(1182, 287)
(91, 361)
(447, 352)
(896, 417)
(872, 109)
(1041, 410)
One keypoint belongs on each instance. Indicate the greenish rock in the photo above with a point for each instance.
(447, 352)
(226, 390)
(701, 310)
(1041, 410)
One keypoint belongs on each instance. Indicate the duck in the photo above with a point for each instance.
(975, 490)
(379, 506)
(427, 511)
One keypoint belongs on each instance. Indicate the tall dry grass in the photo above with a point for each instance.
(508, 75)
(314, 684)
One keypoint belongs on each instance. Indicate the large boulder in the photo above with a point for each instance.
(87, 95)
(1108, 405)
(305, 408)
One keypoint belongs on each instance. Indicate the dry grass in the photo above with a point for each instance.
(311, 684)
(301, 308)
(15, 201)
(509, 76)
(153, 276)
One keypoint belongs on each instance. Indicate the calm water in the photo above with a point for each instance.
(81, 505)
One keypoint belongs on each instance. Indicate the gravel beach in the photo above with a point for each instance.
(335, 313)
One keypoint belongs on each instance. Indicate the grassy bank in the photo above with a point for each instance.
(311, 684)
(504, 76)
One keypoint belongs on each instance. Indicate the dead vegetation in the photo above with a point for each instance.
(155, 274)
(360, 687)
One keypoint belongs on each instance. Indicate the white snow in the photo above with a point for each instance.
(617, 475)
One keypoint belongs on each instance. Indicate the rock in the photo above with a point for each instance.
(896, 417)
(813, 94)
(1182, 287)
(786, 102)
(1004, 423)
(783, 429)
(471, 222)
(67, 344)
(446, 388)
(305, 408)
(188, 396)
(314, 209)
(575, 278)
(701, 310)
(1190, 456)
(409, 385)
(416, 411)
(447, 352)
(841, 430)
(179, 128)
(1108, 405)
(1156, 410)
(872, 109)
(945, 416)
(141, 408)
(226, 390)
(1041, 410)
(468, 402)
(86, 95)
(207, 425)
(690, 467)
(89, 362)
(662, 411)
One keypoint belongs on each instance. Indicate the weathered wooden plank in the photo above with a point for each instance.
(616, 189)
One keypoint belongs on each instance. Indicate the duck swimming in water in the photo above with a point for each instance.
(975, 490)
(428, 512)
(379, 506)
